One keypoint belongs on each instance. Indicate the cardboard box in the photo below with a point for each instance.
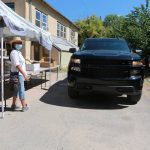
(51, 65)
(33, 67)
(54, 63)
(44, 64)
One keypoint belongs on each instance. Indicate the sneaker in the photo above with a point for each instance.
(24, 109)
(14, 107)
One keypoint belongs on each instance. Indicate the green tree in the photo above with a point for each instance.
(113, 25)
(91, 27)
(137, 27)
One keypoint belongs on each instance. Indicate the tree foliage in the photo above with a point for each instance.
(135, 27)
(91, 27)
(113, 25)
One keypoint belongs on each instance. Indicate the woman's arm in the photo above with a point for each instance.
(22, 72)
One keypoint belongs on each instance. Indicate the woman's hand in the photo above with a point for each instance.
(26, 78)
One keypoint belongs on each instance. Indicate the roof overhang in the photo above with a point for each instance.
(62, 44)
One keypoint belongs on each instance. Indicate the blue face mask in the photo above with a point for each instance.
(18, 46)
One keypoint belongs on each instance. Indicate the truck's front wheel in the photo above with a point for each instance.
(133, 99)
(72, 93)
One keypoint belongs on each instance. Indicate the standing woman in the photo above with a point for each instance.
(18, 65)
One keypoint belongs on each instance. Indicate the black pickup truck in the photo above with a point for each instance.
(106, 65)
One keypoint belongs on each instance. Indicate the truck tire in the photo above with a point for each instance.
(72, 93)
(133, 99)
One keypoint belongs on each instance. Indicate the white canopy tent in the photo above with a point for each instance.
(11, 24)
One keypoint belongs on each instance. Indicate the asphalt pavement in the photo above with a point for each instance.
(92, 122)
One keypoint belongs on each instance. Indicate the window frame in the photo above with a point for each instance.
(37, 19)
(61, 30)
(42, 21)
(72, 36)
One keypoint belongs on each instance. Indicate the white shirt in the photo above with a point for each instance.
(17, 59)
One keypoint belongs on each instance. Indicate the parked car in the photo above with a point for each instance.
(105, 65)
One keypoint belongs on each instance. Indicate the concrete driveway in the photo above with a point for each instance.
(55, 122)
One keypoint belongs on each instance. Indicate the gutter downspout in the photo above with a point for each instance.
(30, 10)
(60, 59)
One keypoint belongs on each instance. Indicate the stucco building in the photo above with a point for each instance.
(63, 32)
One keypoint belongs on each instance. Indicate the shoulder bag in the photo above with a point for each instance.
(14, 77)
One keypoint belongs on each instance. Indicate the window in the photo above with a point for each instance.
(44, 22)
(41, 20)
(72, 36)
(38, 19)
(61, 30)
(11, 5)
(102, 44)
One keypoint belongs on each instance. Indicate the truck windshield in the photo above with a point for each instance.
(115, 45)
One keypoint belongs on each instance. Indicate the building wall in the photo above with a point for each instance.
(19, 6)
(55, 54)
(22, 7)
(52, 18)
(65, 58)
(28, 11)
(76, 37)
(27, 50)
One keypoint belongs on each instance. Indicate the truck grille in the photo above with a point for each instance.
(105, 68)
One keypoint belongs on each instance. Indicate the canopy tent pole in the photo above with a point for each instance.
(50, 66)
(2, 72)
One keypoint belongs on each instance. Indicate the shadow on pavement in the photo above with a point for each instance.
(147, 73)
(9, 109)
(8, 89)
(58, 95)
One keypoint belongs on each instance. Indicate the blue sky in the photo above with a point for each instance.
(79, 9)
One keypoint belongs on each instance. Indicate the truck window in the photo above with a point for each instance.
(114, 45)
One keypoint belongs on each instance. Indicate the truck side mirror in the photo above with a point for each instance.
(138, 51)
(72, 50)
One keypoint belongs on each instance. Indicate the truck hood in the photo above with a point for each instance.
(107, 54)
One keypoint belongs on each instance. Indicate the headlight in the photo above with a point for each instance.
(134, 72)
(77, 69)
(75, 64)
(137, 63)
(76, 61)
